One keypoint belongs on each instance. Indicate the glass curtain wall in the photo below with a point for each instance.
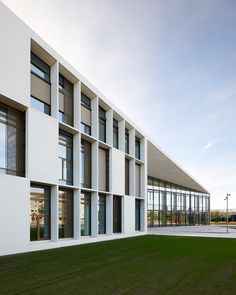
(40, 213)
(126, 141)
(172, 205)
(85, 214)
(115, 134)
(102, 124)
(137, 214)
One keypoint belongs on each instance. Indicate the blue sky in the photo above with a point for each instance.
(169, 65)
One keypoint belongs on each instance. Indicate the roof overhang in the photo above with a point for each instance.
(163, 167)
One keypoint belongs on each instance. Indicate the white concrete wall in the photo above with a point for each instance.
(43, 147)
(129, 214)
(118, 175)
(14, 57)
(14, 213)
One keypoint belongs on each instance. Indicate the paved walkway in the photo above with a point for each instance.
(195, 231)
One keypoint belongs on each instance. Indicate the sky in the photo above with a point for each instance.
(168, 65)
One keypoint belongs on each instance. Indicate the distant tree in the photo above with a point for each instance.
(216, 215)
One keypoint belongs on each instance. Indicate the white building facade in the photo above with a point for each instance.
(73, 168)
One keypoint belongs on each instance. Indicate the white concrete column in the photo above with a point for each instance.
(54, 90)
(132, 142)
(109, 127)
(94, 214)
(54, 213)
(95, 155)
(94, 119)
(109, 214)
(77, 214)
(76, 159)
(132, 177)
(110, 170)
(121, 125)
(77, 104)
(144, 176)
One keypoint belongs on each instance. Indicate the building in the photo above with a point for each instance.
(74, 169)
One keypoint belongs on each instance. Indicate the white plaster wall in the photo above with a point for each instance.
(118, 172)
(42, 147)
(14, 213)
(14, 57)
(129, 214)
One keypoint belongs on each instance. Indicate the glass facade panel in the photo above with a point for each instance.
(115, 134)
(85, 214)
(40, 68)
(65, 214)
(40, 213)
(102, 124)
(65, 158)
(126, 140)
(40, 105)
(101, 214)
(137, 214)
(172, 205)
(12, 141)
(137, 148)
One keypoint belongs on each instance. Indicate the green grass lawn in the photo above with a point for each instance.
(140, 265)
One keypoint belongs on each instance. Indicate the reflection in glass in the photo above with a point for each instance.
(65, 158)
(85, 214)
(65, 213)
(101, 214)
(39, 213)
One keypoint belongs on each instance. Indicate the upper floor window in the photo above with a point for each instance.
(85, 114)
(40, 68)
(115, 134)
(102, 124)
(137, 148)
(65, 158)
(40, 85)
(85, 164)
(66, 97)
(126, 140)
(12, 141)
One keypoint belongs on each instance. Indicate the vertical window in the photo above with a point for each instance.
(40, 212)
(65, 158)
(116, 214)
(12, 141)
(66, 98)
(85, 164)
(137, 214)
(126, 176)
(101, 214)
(115, 134)
(85, 114)
(137, 180)
(103, 169)
(102, 124)
(85, 214)
(65, 214)
(137, 147)
(40, 85)
(126, 140)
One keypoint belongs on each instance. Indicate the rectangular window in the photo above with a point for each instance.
(85, 214)
(101, 214)
(103, 169)
(40, 68)
(12, 141)
(85, 114)
(116, 214)
(40, 85)
(65, 158)
(65, 214)
(40, 213)
(126, 176)
(137, 180)
(40, 105)
(137, 148)
(102, 124)
(126, 140)
(66, 98)
(137, 214)
(85, 165)
(115, 134)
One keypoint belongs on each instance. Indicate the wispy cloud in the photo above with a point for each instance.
(207, 146)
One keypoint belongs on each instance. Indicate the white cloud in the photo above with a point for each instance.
(207, 146)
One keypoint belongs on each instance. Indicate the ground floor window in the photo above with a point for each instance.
(137, 214)
(85, 214)
(101, 214)
(65, 214)
(116, 214)
(40, 212)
